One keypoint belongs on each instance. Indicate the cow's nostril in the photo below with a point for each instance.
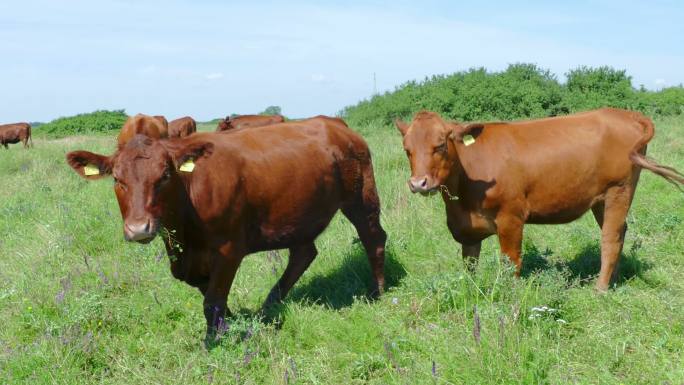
(423, 184)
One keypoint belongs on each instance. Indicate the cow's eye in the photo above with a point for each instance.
(441, 148)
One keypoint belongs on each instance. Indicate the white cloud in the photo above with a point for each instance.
(214, 76)
(659, 82)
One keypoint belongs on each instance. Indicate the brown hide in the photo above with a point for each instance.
(182, 127)
(15, 133)
(265, 188)
(140, 125)
(164, 132)
(244, 121)
(542, 171)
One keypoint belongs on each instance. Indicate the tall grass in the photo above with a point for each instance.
(78, 305)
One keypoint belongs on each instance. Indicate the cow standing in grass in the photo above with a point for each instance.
(495, 177)
(221, 197)
(15, 133)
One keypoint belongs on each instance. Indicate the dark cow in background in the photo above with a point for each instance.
(182, 127)
(15, 133)
(164, 133)
(244, 121)
(221, 197)
(140, 125)
(495, 177)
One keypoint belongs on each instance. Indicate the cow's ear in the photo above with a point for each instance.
(402, 126)
(192, 152)
(89, 165)
(466, 134)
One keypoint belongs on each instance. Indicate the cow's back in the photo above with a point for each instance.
(281, 181)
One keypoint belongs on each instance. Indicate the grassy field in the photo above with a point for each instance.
(78, 305)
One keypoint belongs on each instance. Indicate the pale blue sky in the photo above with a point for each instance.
(211, 58)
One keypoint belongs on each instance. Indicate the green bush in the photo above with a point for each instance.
(94, 122)
(521, 91)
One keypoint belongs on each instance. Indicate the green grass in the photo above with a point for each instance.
(78, 305)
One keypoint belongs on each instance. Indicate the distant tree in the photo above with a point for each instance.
(271, 110)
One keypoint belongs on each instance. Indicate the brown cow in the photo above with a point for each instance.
(244, 121)
(140, 125)
(164, 133)
(15, 133)
(266, 188)
(495, 177)
(182, 127)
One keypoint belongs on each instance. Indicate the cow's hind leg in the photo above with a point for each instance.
(299, 260)
(363, 210)
(509, 228)
(613, 229)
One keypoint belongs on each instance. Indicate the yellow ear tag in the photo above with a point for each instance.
(91, 169)
(468, 140)
(188, 166)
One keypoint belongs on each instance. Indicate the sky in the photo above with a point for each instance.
(210, 58)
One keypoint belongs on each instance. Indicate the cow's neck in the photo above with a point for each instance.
(177, 222)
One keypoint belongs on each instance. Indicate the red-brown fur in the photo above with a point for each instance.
(140, 125)
(542, 171)
(244, 121)
(182, 127)
(15, 133)
(265, 188)
(164, 132)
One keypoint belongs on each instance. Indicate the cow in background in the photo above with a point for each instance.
(15, 133)
(164, 133)
(244, 121)
(182, 127)
(139, 125)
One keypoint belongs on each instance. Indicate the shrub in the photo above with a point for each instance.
(94, 122)
(521, 91)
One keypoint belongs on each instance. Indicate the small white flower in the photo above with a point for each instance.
(395, 300)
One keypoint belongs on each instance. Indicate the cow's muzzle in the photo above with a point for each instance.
(422, 184)
(140, 231)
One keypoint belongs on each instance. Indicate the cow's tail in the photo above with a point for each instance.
(639, 158)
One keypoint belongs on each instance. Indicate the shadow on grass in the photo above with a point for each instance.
(336, 290)
(353, 278)
(586, 264)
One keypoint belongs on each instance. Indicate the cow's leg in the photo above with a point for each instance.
(216, 291)
(471, 254)
(299, 260)
(509, 228)
(6, 146)
(617, 203)
(365, 216)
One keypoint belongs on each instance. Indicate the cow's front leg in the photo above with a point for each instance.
(224, 267)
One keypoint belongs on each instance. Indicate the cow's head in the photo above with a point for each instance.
(146, 178)
(430, 145)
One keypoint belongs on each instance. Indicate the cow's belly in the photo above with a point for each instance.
(292, 228)
(563, 203)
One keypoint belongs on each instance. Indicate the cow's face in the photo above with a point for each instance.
(429, 143)
(146, 179)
